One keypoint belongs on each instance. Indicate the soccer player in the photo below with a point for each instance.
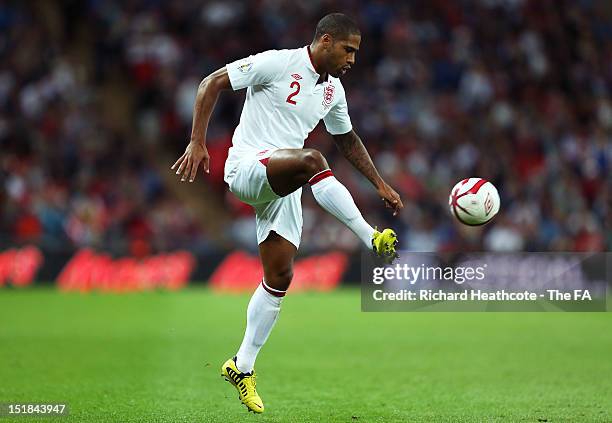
(288, 93)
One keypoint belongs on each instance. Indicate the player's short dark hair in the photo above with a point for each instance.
(338, 25)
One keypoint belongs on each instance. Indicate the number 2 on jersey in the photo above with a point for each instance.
(293, 94)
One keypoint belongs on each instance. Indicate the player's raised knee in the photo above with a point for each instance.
(313, 161)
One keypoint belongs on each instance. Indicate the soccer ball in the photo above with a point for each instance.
(474, 201)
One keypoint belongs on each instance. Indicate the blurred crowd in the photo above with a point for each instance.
(514, 91)
(69, 177)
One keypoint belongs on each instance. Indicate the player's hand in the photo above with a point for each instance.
(391, 198)
(187, 164)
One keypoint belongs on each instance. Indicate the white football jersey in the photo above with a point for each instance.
(283, 102)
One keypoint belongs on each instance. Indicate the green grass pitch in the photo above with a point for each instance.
(155, 357)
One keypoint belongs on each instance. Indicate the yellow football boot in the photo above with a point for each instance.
(245, 384)
(383, 244)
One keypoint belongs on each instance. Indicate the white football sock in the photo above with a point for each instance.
(337, 200)
(262, 313)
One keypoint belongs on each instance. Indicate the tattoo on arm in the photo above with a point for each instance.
(352, 148)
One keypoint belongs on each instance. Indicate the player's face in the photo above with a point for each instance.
(342, 55)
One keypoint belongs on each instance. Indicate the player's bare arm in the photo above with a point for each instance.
(196, 152)
(352, 148)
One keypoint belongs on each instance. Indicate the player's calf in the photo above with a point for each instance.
(277, 256)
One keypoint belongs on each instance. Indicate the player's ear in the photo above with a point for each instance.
(326, 40)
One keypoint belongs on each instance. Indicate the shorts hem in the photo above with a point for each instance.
(296, 243)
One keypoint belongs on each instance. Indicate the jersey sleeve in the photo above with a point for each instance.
(337, 120)
(258, 69)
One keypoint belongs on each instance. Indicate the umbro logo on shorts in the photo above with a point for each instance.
(296, 76)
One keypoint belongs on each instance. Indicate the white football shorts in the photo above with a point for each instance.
(247, 180)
